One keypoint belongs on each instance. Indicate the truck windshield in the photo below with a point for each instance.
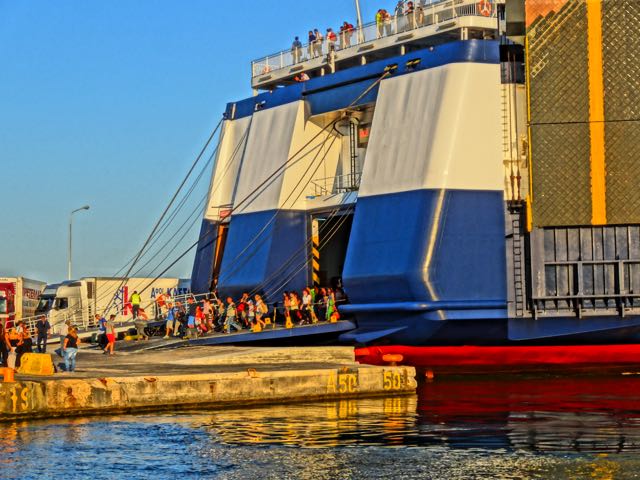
(3, 305)
(44, 305)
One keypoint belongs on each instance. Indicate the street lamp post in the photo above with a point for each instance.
(86, 207)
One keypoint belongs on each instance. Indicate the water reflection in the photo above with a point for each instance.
(579, 414)
(558, 414)
(381, 421)
(513, 427)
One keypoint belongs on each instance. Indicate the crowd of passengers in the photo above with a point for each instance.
(408, 15)
(202, 317)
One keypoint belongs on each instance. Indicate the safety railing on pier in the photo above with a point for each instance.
(85, 319)
(436, 13)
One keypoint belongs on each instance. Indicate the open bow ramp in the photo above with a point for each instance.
(315, 333)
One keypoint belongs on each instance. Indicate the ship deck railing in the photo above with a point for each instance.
(348, 182)
(436, 18)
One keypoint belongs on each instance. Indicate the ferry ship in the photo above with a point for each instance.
(467, 172)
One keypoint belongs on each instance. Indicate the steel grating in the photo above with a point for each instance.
(561, 186)
(559, 113)
(621, 66)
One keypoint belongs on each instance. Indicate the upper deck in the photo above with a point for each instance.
(429, 24)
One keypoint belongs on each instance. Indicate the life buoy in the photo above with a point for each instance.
(485, 8)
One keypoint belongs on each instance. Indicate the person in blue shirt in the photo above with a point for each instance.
(171, 318)
(43, 329)
(102, 335)
(312, 43)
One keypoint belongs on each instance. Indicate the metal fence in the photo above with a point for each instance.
(338, 184)
(423, 16)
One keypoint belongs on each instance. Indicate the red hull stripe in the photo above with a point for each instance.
(497, 357)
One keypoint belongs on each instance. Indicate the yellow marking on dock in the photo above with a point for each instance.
(596, 113)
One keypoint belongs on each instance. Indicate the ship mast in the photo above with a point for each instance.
(359, 19)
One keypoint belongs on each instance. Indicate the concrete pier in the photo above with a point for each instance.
(199, 377)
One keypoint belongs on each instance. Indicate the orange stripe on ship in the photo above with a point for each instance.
(596, 113)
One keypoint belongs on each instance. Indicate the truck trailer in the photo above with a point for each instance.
(79, 300)
(18, 298)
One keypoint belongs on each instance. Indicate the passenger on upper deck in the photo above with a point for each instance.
(296, 50)
(410, 14)
(380, 23)
(388, 30)
(419, 15)
(399, 14)
(346, 31)
(331, 40)
(318, 44)
(311, 47)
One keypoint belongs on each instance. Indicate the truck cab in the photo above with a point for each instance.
(66, 303)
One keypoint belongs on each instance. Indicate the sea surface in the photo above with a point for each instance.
(508, 427)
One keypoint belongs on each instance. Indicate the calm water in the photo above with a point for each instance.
(513, 427)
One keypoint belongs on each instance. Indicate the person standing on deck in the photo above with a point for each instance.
(5, 346)
(111, 335)
(171, 318)
(251, 311)
(319, 40)
(379, 23)
(296, 50)
(261, 310)
(207, 309)
(399, 14)
(70, 349)
(220, 315)
(12, 338)
(332, 38)
(141, 325)
(135, 304)
(346, 31)
(388, 29)
(64, 330)
(419, 15)
(43, 329)
(311, 46)
(25, 344)
(192, 308)
(230, 320)
(102, 328)
(410, 14)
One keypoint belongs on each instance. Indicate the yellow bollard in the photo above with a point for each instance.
(36, 364)
(7, 375)
(392, 358)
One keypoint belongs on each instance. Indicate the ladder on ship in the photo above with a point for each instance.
(518, 258)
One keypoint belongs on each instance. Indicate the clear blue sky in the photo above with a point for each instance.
(108, 103)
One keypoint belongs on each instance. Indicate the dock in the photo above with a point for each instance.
(198, 377)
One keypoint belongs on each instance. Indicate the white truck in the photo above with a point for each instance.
(18, 298)
(79, 300)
